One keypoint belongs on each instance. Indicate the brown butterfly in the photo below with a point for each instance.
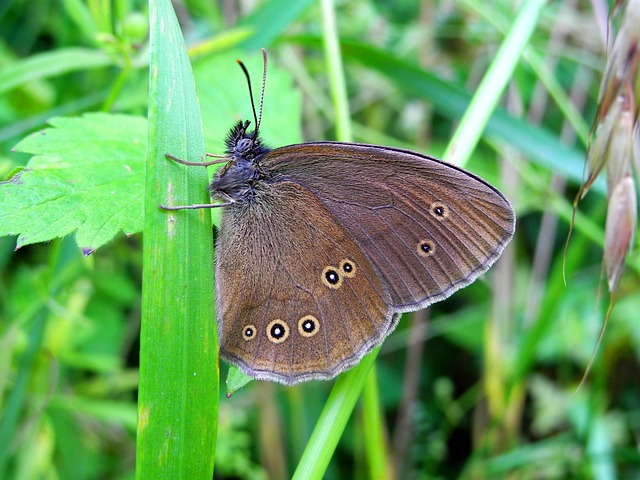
(323, 245)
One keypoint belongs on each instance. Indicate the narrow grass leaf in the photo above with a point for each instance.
(333, 419)
(179, 387)
(270, 19)
(52, 64)
(451, 100)
(493, 83)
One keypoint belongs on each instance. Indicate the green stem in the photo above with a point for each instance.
(335, 70)
(346, 391)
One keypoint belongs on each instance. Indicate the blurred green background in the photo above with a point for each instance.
(483, 385)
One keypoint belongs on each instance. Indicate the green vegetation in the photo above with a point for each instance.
(485, 385)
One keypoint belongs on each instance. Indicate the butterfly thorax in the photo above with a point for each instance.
(238, 179)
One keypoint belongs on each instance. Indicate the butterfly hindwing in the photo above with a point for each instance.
(297, 297)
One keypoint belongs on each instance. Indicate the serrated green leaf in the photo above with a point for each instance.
(87, 177)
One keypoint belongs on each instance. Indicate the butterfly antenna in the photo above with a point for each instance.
(264, 82)
(256, 118)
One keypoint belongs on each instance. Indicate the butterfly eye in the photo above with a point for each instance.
(439, 210)
(348, 267)
(426, 248)
(308, 326)
(244, 145)
(331, 278)
(277, 331)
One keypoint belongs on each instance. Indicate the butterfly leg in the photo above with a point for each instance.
(219, 159)
(228, 201)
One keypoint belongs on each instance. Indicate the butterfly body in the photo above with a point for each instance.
(323, 245)
(236, 181)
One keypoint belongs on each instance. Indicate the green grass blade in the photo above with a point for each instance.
(179, 385)
(52, 64)
(493, 83)
(335, 71)
(16, 397)
(333, 419)
(537, 64)
(346, 391)
(16, 401)
(537, 143)
(269, 20)
(373, 431)
(376, 453)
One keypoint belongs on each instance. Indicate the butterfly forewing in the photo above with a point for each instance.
(427, 227)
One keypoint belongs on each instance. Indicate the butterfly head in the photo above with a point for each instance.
(239, 178)
(242, 144)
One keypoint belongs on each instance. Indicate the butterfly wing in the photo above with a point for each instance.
(297, 297)
(427, 227)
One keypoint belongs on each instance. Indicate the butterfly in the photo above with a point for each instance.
(323, 245)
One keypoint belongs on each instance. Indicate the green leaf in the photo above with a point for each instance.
(179, 381)
(52, 64)
(86, 177)
(87, 173)
(236, 379)
(270, 19)
(333, 420)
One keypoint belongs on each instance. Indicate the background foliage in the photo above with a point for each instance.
(486, 386)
